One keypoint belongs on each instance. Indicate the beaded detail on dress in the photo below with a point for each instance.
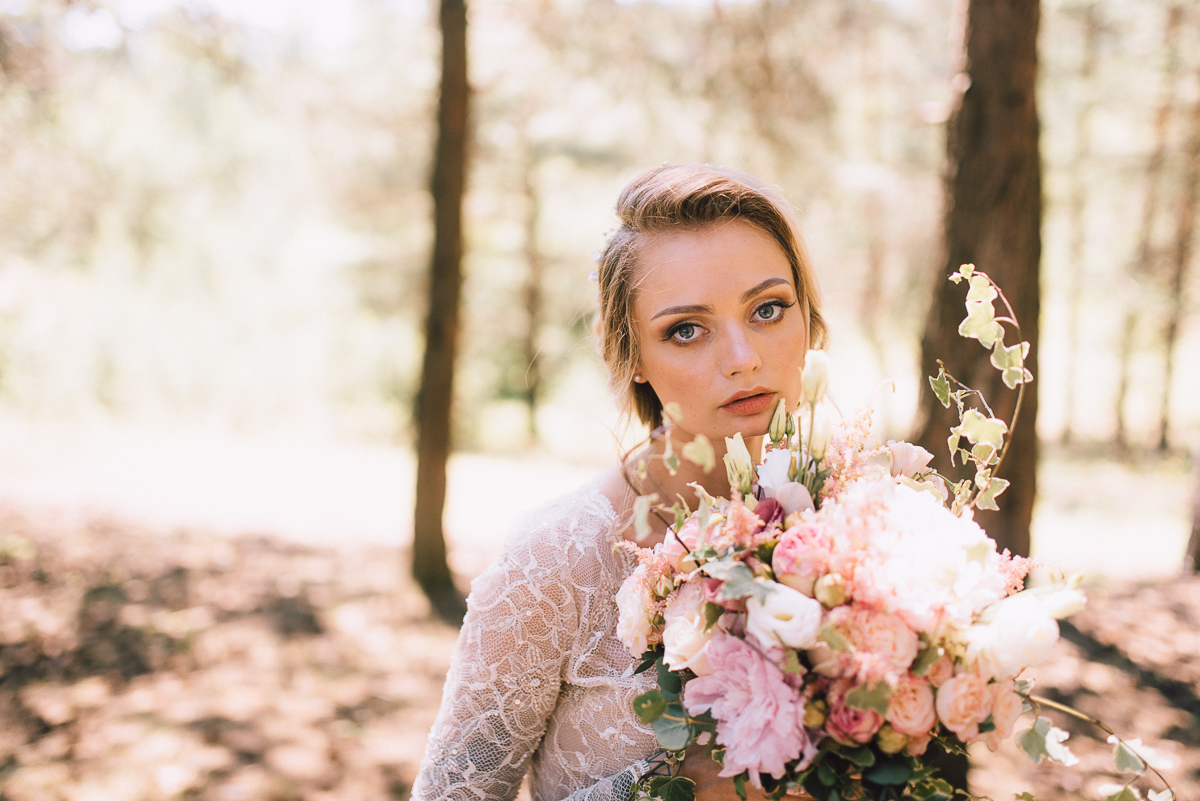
(539, 680)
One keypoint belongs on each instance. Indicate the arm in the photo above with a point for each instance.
(504, 682)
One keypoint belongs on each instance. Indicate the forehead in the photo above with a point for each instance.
(691, 265)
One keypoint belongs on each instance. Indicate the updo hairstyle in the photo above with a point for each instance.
(677, 198)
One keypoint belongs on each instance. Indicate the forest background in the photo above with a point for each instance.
(215, 227)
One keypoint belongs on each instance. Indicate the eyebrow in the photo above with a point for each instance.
(747, 295)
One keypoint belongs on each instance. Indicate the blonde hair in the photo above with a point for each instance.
(675, 198)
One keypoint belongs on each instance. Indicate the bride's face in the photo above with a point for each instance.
(720, 328)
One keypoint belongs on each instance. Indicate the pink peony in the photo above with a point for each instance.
(910, 708)
(882, 645)
(963, 703)
(760, 719)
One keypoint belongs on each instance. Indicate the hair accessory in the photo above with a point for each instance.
(594, 277)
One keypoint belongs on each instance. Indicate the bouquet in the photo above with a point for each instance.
(841, 612)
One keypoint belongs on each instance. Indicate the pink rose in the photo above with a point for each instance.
(801, 556)
(918, 744)
(759, 717)
(890, 642)
(677, 546)
(846, 724)
(910, 709)
(964, 702)
(940, 671)
(1006, 708)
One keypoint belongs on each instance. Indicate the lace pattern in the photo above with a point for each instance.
(539, 680)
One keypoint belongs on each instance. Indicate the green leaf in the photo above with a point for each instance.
(978, 428)
(1011, 363)
(874, 697)
(980, 322)
(671, 461)
(826, 775)
(941, 387)
(987, 498)
(641, 516)
(791, 665)
(926, 659)
(670, 683)
(1126, 760)
(672, 729)
(739, 785)
(712, 613)
(1126, 793)
(862, 757)
(888, 773)
(739, 580)
(649, 659)
(1043, 741)
(1026, 796)
(649, 706)
(671, 788)
(700, 453)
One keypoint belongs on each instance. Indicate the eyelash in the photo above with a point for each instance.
(780, 304)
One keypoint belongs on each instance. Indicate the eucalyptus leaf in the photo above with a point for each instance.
(650, 706)
(672, 729)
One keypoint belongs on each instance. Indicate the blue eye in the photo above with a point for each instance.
(684, 333)
(770, 311)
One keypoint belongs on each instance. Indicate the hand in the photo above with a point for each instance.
(699, 766)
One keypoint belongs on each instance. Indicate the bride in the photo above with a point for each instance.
(708, 302)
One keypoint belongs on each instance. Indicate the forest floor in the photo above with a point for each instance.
(151, 648)
(140, 665)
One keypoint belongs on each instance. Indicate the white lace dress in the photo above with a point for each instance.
(539, 680)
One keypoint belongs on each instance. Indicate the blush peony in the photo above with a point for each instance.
(759, 717)
(685, 642)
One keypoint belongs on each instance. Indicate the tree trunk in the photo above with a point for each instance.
(1191, 559)
(1181, 259)
(433, 406)
(1143, 266)
(993, 219)
(532, 291)
(1077, 206)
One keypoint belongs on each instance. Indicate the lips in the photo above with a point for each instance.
(750, 402)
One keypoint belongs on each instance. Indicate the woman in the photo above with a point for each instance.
(708, 302)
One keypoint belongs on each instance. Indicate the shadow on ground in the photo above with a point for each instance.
(137, 665)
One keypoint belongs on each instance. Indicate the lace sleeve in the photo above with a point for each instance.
(504, 681)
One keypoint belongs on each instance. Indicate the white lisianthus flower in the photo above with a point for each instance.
(633, 601)
(685, 642)
(1019, 632)
(773, 472)
(907, 459)
(787, 617)
(814, 377)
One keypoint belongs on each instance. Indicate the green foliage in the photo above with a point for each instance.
(874, 697)
(669, 788)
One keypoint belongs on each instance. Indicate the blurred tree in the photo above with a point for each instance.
(1077, 203)
(435, 397)
(1180, 256)
(993, 219)
(1143, 267)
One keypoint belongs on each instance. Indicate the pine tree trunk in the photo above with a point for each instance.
(993, 219)
(434, 400)
(532, 291)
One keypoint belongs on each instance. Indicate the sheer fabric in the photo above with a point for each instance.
(539, 680)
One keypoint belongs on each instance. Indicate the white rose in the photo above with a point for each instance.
(787, 617)
(1019, 633)
(685, 642)
(633, 602)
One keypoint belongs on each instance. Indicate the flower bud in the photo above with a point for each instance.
(814, 378)
(889, 740)
(831, 590)
(815, 713)
(739, 467)
(777, 430)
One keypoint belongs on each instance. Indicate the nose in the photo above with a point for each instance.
(739, 354)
